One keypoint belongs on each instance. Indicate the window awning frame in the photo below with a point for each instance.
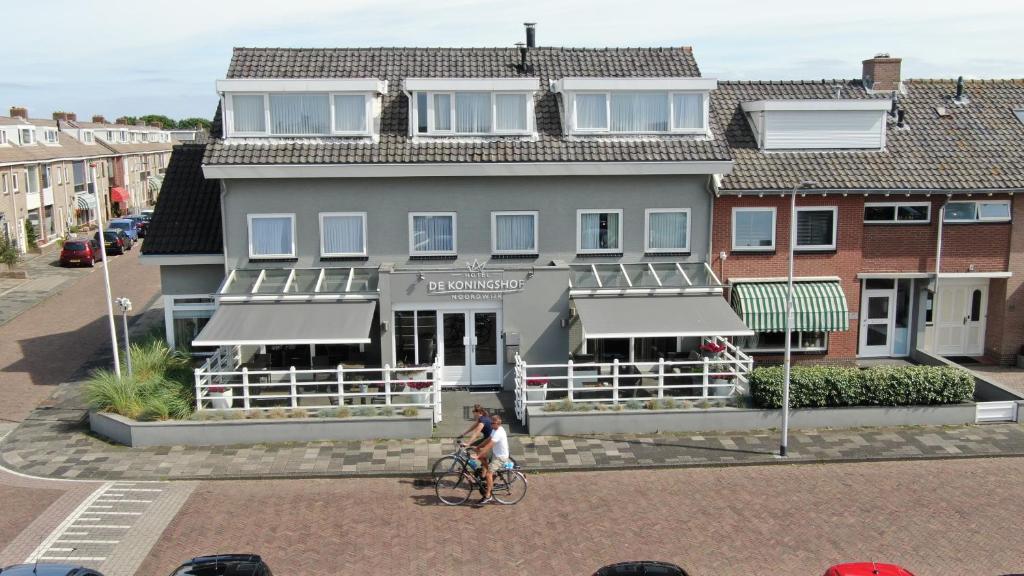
(818, 306)
(300, 284)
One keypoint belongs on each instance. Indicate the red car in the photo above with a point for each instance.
(867, 569)
(78, 252)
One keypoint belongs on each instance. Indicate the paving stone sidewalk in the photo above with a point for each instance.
(56, 444)
(45, 278)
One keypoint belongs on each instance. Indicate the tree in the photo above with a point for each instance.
(8, 253)
(198, 123)
(163, 120)
(30, 234)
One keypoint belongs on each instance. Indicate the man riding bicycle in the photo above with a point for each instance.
(497, 445)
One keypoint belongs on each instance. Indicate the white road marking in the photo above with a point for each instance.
(71, 519)
(121, 501)
(137, 489)
(75, 558)
(108, 526)
(118, 513)
(87, 542)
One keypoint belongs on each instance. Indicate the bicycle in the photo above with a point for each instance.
(455, 481)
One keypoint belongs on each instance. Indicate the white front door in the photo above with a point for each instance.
(960, 322)
(469, 348)
(876, 323)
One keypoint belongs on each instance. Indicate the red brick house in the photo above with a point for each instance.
(895, 169)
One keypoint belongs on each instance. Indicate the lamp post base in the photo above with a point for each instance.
(782, 451)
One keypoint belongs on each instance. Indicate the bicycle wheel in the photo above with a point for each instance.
(446, 464)
(453, 487)
(512, 487)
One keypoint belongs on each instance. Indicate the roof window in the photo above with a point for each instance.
(818, 124)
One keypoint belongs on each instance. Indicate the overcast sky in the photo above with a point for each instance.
(133, 57)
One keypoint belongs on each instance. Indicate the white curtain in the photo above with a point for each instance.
(753, 229)
(248, 113)
(432, 234)
(599, 231)
(271, 236)
(515, 232)
(591, 111)
(472, 112)
(442, 112)
(343, 234)
(667, 231)
(639, 112)
(299, 114)
(350, 113)
(689, 110)
(510, 111)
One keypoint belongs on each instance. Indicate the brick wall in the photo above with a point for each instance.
(1002, 346)
(880, 248)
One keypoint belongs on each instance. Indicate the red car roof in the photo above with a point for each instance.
(867, 569)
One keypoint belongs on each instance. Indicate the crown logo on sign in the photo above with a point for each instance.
(475, 266)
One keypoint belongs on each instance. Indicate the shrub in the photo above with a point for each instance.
(829, 386)
(386, 411)
(9, 253)
(634, 405)
(255, 415)
(277, 413)
(563, 405)
(364, 411)
(411, 411)
(299, 413)
(159, 388)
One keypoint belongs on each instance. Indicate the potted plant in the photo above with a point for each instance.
(421, 390)
(721, 382)
(220, 397)
(536, 389)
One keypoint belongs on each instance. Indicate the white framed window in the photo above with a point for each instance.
(60, 174)
(3, 137)
(640, 112)
(27, 136)
(763, 342)
(14, 182)
(350, 113)
(473, 113)
(248, 113)
(816, 228)
(753, 229)
(32, 179)
(433, 233)
(897, 212)
(50, 136)
(87, 137)
(66, 179)
(3, 184)
(598, 231)
(271, 235)
(514, 232)
(342, 234)
(123, 136)
(977, 211)
(46, 177)
(667, 230)
(299, 114)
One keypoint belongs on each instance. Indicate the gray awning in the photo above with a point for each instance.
(288, 323)
(658, 316)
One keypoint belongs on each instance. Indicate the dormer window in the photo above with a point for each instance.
(26, 136)
(636, 105)
(818, 124)
(50, 136)
(472, 106)
(87, 136)
(301, 108)
(3, 137)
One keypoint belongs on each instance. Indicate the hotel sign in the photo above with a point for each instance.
(475, 283)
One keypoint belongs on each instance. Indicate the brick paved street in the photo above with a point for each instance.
(49, 343)
(944, 517)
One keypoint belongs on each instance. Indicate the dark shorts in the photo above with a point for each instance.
(478, 441)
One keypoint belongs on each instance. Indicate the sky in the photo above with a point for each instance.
(135, 57)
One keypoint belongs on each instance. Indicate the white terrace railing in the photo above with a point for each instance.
(221, 385)
(617, 382)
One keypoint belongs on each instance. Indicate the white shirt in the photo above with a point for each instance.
(499, 439)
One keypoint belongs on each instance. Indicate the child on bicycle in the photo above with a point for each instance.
(497, 445)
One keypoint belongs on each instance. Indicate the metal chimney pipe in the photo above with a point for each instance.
(531, 34)
(901, 118)
(960, 88)
(522, 55)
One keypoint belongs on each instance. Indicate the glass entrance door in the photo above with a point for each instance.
(485, 365)
(876, 324)
(455, 344)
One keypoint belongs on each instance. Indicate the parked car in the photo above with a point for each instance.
(641, 568)
(47, 569)
(224, 565)
(867, 569)
(127, 225)
(147, 214)
(125, 238)
(114, 240)
(140, 224)
(80, 252)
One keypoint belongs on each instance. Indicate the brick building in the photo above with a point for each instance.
(891, 170)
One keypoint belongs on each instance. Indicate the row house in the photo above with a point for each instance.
(411, 205)
(904, 234)
(46, 180)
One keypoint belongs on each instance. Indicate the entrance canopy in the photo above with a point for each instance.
(118, 194)
(658, 316)
(817, 306)
(289, 323)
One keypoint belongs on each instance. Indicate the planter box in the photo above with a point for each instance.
(14, 274)
(227, 432)
(542, 423)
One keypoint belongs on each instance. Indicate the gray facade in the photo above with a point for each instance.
(190, 279)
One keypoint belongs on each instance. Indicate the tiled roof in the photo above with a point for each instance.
(69, 148)
(397, 64)
(979, 145)
(138, 147)
(186, 219)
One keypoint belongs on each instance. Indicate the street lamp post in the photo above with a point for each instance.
(126, 306)
(106, 271)
(787, 359)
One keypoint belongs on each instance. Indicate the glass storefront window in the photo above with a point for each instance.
(415, 337)
(776, 342)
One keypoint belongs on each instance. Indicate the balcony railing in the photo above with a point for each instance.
(221, 385)
(614, 383)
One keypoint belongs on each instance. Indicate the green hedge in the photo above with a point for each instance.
(825, 386)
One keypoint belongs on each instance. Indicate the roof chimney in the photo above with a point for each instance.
(99, 119)
(19, 112)
(156, 124)
(531, 34)
(901, 118)
(121, 120)
(522, 56)
(64, 116)
(881, 73)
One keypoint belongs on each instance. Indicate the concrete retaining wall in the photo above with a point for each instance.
(227, 432)
(542, 423)
(985, 390)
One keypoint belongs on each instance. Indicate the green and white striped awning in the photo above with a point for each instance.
(818, 306)
(155, 182)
